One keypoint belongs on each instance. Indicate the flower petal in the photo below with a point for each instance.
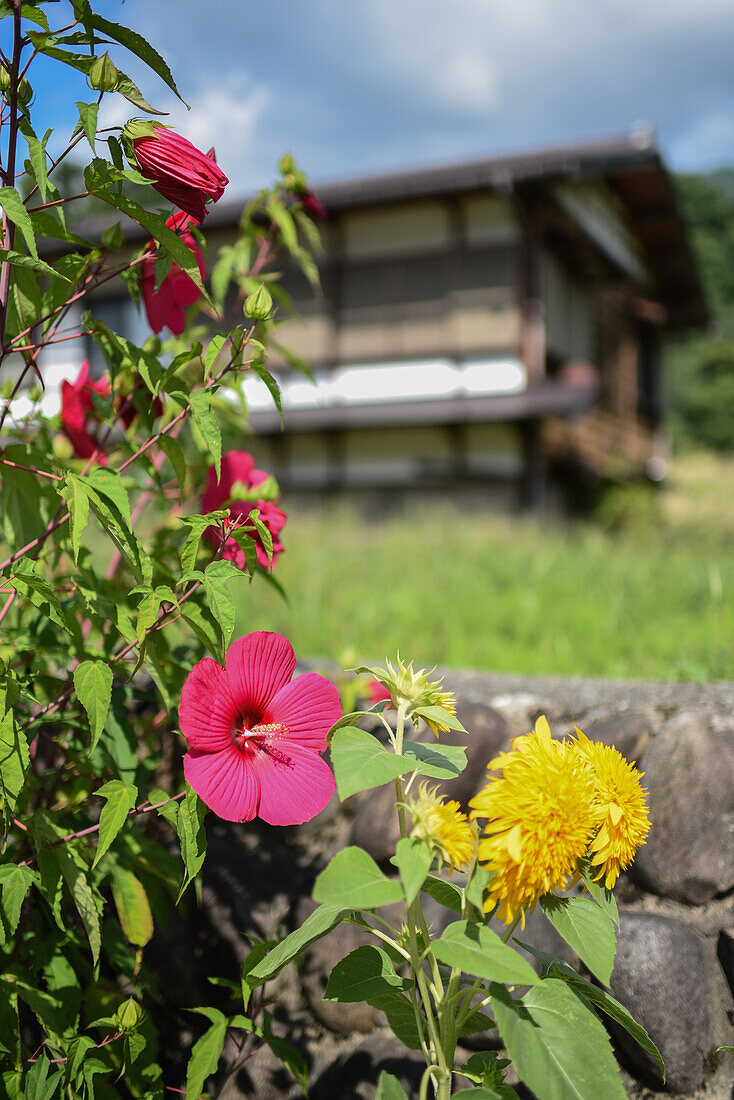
(258, 666)
(207, 712)
(226, 781)
(308, 707)
(295, 784)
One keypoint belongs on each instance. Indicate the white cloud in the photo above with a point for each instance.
(226, 113)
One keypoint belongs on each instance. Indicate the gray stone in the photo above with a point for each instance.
(319, 961)
(662, 976)
(354, 1076)
(689, 854)
(630, 733)
(375, 823)
(725, 952)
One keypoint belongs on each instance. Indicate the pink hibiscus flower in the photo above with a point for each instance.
(237, 489)
(255, 739)
(78, 413)
(165, 306)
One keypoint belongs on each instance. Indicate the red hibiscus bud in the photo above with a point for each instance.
(179, 171)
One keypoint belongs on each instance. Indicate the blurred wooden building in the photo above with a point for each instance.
(496, 323)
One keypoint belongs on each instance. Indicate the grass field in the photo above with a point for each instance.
(463, 589)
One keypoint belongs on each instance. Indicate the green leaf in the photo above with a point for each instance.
(75, 494)
(286, 1054)
(603, 897)
(14, 759)
(445, 893)
(19, 259)
(156, 226)
(556, 968)
(205, 1056)
(481, 1092)
(38, 1085)
(476, 886)
(109, 483)
(12, 204)
(88, 121)
(315, 927)
(352, 880)
(174, 453)
(15, 883)
(36, 589)
(478, 950)
(132, 41)
(93, 686)
(587, 929)
(84, 899)
(401, 1018)
(213, 349)
(559, 1047)
(148, 609)
(192, 836)
(438, 761)
(389, 1088)
(200, 403)
(413, 859)
(217, 576)
(361, 762)
(133, 907)
(365, 973)
(120, 799)
(439, 716)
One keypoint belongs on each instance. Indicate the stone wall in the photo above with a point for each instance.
(674, 967)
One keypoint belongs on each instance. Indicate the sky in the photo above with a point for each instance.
(354, 87)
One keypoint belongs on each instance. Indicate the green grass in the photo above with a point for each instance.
(456, 587)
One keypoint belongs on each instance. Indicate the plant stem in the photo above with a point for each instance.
(442, 1073)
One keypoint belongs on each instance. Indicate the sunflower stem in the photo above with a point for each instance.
(441, 1073)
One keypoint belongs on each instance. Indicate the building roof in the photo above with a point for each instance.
(630, 165)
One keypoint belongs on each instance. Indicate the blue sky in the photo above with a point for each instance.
(359, 86)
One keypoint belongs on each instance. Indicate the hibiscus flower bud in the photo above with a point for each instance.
(178, 170)
(103, 75)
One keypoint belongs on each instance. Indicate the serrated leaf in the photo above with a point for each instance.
(557, 1044)
(110, 484)
(215, 346)
(93, 686)
(192, 835)
(156, 226)
(587, 929)
(37, 590)
(14, 759)
(217, 576)
(133, 907)
(131, 40)
(477, 950)
(15, 882)
(205, 1055)
(77, 501)
(440, 717)
(315, 927)
(352, 880)
(88, 120)
(200, 404)
(38, 1085)
(19, 259)
(12, 204)
(174, 453)
(119, 800)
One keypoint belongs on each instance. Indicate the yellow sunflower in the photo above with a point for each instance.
(443, 826)
(618, 809)
(538, 821)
